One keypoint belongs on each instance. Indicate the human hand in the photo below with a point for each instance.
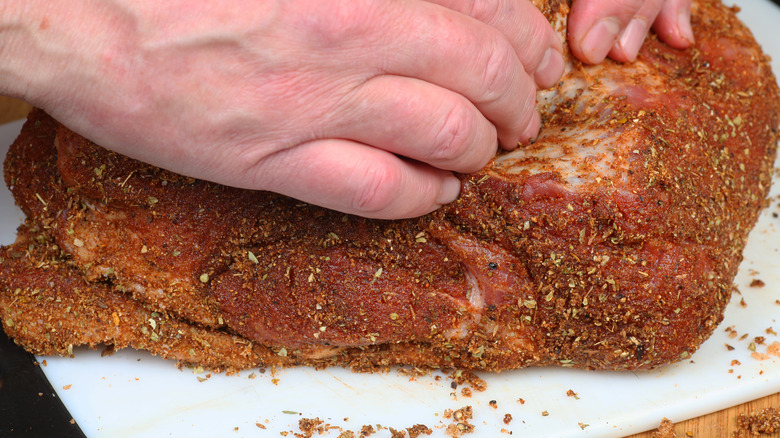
(617, 28)
(360, 106)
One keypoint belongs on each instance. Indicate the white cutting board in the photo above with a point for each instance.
(132, 394)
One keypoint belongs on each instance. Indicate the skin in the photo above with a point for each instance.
(362, 106)
(616, 28)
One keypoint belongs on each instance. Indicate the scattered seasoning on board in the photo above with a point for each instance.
(665, 430)
(766, 421)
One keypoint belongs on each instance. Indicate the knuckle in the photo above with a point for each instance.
(377, 189)
(343, 23)
(498, 71)
(484, 10)
(454, 136)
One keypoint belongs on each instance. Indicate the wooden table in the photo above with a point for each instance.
(717, 424)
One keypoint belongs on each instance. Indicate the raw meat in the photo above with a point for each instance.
(609, 243)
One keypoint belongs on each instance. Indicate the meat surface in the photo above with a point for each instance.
(611, 242)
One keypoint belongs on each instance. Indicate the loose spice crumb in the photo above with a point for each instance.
(507, 418)
(462, 414)
(458, 429)
(571, 393)
(417, 430)
(310, 426)
(461, 377)
(665, 430)
(757, 283)
(397, 433)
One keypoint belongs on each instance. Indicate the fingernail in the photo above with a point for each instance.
(600, 39)
(684, 24)
(450, 189)
(632, 37)
(532, 130)
(550, 69)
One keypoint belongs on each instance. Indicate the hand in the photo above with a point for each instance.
(617, 28)
(356, 105)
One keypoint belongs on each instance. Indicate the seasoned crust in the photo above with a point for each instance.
(609, 243)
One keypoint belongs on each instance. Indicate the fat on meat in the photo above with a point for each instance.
(610, 242)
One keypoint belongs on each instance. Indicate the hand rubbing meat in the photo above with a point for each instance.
(609, 243)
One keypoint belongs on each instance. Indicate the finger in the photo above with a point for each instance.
(357, 179)
(595, 27)
(535, 42)
(673, 24)
(417, 120)
(466, 56)
(633, 35)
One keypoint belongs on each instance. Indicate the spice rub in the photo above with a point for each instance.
(610, 243)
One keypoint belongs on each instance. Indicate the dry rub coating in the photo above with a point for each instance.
(610, 243)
